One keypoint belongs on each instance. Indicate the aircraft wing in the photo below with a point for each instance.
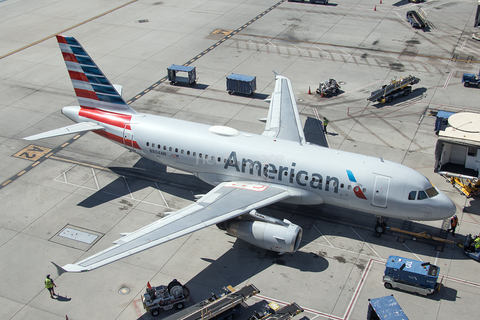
(74, 128)
(226, 201)
(283, 120)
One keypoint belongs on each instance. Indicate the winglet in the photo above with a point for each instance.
(60, 270)
(69, 268)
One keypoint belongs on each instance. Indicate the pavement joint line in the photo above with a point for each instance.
(68, 29)
(365, 49)
(138, 96)
(42, 158)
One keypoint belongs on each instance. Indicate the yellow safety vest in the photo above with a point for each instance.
(477, 243)
(48, 283)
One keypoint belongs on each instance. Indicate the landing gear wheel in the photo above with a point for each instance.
(380, 226)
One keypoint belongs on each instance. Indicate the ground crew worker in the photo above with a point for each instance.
(325, 124)
(477, 243)
(453, 224)
(49, 284)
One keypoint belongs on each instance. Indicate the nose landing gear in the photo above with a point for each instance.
(380, 226)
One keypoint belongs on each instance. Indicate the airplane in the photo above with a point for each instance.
(248, 171)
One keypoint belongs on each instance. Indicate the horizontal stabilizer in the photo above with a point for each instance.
(74, 128)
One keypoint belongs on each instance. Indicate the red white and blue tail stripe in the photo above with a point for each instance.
(92, 87)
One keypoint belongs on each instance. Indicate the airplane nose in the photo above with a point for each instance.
(447, 207)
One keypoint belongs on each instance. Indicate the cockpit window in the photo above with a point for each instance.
(412, 195)
(432, 192)
(422, 195)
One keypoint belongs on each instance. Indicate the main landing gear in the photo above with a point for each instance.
(380, 226)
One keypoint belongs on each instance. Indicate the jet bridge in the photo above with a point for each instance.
(396, 86)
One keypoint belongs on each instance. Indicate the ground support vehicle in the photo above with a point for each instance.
(471, 80)
(223, 307)
(397, 87)
(158, 298)
(328, 88)
(190, 79)
(411, 275)
(237, 83)
(416, 19)
(273, 312)
(469, 248)
(312, 1)
(385, 308)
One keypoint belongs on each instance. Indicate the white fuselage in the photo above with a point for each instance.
(318, 174)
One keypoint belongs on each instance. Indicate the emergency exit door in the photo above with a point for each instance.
(380, 192)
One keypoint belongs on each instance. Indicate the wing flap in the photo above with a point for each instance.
(74, 128)
(283, 120)
(226, 201)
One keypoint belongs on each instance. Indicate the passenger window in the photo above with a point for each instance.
(341, 185)
(199, 155)
(159, 146)
(219, 159)
(194, 154)
(349, 187)
(153, 145)
(170, 149)
(148, 144)
(164, 147)
(422, 195)
(412, 195)
(181, 151)
(188, 153)
(176, 150)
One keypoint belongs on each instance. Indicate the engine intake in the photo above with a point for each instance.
(274, 237)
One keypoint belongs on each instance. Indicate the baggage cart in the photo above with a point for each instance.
(190, 79)
(237, 83)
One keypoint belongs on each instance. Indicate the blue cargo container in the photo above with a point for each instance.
(241, 84)
(385, 308)
(411, 275)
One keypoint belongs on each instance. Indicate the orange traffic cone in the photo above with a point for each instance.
(375, 9)
(309, 92)
(321, 95)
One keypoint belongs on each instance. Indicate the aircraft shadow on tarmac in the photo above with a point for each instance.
(146, 173)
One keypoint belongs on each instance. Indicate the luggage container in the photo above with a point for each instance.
(385, 308)
(411, 275)
(190, 79)
(241, 84)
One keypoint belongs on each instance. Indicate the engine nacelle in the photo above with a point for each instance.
(274, 237)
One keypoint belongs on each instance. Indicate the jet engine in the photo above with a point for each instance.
(283, 238)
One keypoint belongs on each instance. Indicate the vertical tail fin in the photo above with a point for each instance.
(92, 87)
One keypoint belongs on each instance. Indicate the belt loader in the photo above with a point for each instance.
(397, 87)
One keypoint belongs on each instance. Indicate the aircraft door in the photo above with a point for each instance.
(380, 192)
(128, 136)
